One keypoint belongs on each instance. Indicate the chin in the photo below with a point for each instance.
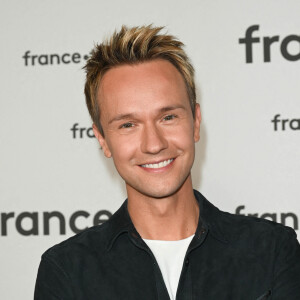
(160, 194)
(159, 191)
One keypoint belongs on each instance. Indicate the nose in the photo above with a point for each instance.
(153, 139)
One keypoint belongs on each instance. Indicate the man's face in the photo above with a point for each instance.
(149, 128)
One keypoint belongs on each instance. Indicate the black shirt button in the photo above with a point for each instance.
(201, 231)
(187, 261)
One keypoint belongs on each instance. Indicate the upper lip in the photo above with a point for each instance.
(156, 162)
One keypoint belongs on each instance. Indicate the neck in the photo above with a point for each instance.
(174, 217)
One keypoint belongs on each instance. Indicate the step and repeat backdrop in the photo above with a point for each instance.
(54, 179)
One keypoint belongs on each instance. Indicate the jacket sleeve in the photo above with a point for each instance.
(52, 282)
(287, 268)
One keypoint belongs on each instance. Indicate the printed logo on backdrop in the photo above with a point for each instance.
(282, 124)
(27, 223)
(81, 132)
(288, 46)
(32, 59)
(55, 222)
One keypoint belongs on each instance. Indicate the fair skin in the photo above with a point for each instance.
(150, 133)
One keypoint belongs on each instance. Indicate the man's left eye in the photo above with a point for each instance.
(169, 117)
(127, 125)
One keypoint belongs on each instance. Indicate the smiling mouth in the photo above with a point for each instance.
(158, 165)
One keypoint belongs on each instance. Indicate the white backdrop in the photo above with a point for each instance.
(241, 159)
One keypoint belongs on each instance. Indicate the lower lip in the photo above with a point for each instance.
(157, 170)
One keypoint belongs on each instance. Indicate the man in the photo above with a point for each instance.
(166, 241)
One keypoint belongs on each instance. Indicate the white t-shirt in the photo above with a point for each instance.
(169, 256)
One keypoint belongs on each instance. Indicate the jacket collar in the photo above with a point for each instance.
(210, 220)
(211, 217)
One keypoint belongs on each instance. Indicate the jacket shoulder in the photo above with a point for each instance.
(93, 240)
(255, 223)
(231, 227)
(254, 231)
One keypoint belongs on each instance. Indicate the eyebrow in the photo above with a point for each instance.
(133, 116)
(168, 108)
(121, 117)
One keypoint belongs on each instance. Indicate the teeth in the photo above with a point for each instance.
(159, 165)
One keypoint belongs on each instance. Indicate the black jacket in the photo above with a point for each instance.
(230, 257)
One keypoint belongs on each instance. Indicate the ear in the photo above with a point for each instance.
(197, 122)
(101, 141)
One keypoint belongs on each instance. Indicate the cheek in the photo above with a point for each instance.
(182, 136)
(123, 148)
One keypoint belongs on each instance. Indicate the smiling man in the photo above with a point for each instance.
(166, 241)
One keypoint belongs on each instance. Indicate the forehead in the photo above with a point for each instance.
(129, 87)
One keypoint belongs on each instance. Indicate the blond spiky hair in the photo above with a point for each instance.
(131, 46)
